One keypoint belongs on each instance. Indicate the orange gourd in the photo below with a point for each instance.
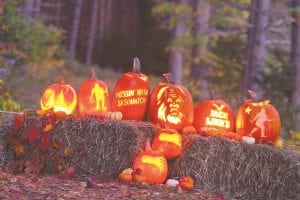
(186, 183)
(93, 97)
(171, 106)
(131, 94)
(60, 97)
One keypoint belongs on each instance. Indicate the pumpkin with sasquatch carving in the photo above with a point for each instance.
(171, 105)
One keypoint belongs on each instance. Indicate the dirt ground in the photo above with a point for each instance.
(29, 186)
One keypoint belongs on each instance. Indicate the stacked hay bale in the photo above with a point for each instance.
(99, 147)
(239, 171)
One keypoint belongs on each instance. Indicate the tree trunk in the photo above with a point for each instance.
(256, 48)
(93, 28)
(176, 56)
(199, 70)
(295, 60)
(75, 29)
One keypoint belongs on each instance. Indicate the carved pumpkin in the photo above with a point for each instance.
(258, 119)
(131, 93)
(152, 165)
(168, 142)
(213, 115)
(171, 106)
(60, 97)
(93, 96)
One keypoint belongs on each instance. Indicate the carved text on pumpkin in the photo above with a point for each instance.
(218, 117)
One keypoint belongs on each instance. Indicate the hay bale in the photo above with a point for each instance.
(237, 170)
(100, 147)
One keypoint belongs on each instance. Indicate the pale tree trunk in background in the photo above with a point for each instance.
(295, 60)
(256, 47)
(108, 16)
(75, 29)
(176, 56)
(101, 26)
(28, 9)
(93, 29)
(199, 70)
(31, 8)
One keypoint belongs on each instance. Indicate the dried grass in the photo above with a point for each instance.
(239, 171)
(100, 147)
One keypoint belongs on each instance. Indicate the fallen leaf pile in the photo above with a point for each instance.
(26, 186)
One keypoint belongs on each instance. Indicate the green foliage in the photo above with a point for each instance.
(30, 54)
(278, 86)
(36, 40)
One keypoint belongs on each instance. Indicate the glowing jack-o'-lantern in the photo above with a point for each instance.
(93, 96)
(213, 115)
(131, 93)
(171, 106)
(152, 165)
(168, 142)
(258, 119)
(60, 97)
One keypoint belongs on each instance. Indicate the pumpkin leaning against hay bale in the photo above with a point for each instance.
(168, 142)
(151, 165)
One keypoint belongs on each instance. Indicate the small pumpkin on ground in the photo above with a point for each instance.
(126, 174)
(186, 183)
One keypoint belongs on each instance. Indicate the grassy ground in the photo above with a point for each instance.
(28, 82)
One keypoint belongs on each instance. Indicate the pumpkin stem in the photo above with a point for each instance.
(169, 78)
(252, 95)
(136, 68)
(61, 80)
(212, 95)
(92, 74)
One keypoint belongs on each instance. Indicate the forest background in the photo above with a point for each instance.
(227, 46)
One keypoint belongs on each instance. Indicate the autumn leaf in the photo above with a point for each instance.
(56, 143)
(48, 128)
(68, 151)
(20, 149)
(31, 133)
(32, 167)
(45, 142)
(19, 119)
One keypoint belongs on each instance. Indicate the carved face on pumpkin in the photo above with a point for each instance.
(170, 111)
